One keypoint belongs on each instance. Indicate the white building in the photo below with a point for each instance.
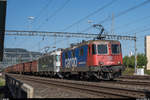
(147, 51)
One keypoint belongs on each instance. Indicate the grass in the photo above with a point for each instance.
(2, 82)
(130, 71)
(147, 72)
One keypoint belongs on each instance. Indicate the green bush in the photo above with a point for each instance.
(140, 67)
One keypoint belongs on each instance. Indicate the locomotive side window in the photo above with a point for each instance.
(115, 48)
(102, 49)
(81, 52)
(93, 49)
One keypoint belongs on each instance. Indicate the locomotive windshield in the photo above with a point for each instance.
(115, 48)
(102, 48)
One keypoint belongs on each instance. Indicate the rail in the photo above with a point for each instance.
(106, 91)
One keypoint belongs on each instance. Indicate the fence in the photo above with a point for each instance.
(18, 89)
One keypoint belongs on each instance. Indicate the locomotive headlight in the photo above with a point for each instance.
(119, 62)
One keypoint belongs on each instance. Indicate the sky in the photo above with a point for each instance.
(74, 16)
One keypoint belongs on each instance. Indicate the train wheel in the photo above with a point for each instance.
(58, 75)
(109, 76)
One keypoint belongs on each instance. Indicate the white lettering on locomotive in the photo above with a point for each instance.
(71, 62)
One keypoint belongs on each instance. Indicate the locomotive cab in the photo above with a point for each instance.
(102, 54)
(105, 57)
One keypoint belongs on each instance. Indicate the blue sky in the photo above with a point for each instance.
(57, 15)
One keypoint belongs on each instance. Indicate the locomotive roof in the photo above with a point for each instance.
(88, 42)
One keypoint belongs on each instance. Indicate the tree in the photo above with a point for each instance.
(126, 61)
(141, 60)
(130, 61)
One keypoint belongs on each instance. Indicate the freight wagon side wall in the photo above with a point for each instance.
(34, 67)
(27, 67)
(14, 68)
(17, 68)
(21, 67)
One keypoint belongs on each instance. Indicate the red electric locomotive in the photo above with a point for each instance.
(101, 59)
(105, 57)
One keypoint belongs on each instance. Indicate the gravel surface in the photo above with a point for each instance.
(50, 91)
(108, 84)
(133, 87)
(45, 91)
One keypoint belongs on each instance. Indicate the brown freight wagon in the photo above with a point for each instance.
(34, 67)
(17, 68)
(30, 67)
(20, 68)
(10, 69)
(14, 69)
(7, 69)
(27, 67)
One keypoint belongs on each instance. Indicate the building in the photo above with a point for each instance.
(147, 51)
(17, 55)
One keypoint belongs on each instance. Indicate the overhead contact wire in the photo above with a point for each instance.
(91, 14)
(124, 12)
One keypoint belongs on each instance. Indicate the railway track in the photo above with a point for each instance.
(135, 77)
(96, 90)
(131, 82)
(134, 80)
